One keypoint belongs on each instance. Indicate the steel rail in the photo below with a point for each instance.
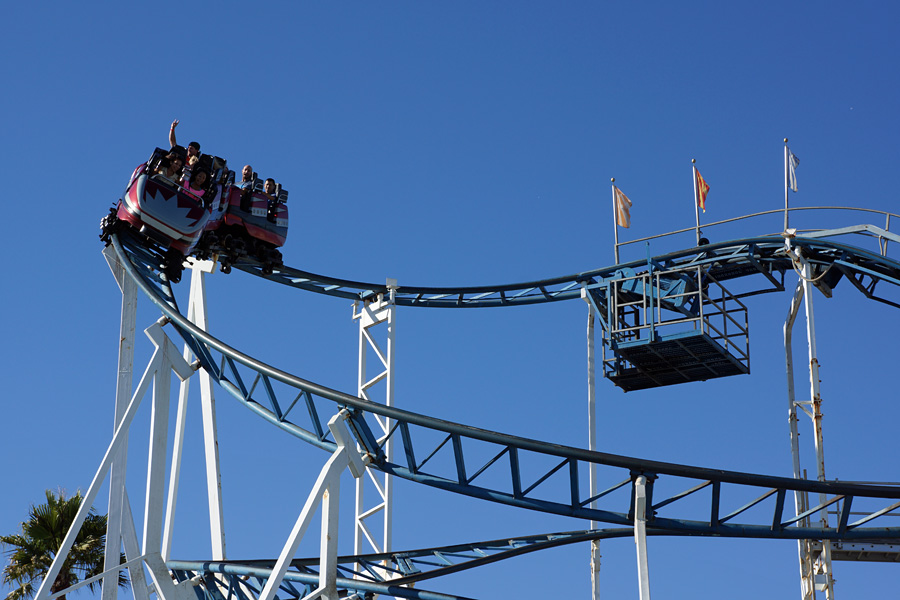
(233, 369)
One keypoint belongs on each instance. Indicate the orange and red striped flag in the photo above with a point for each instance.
(702, 190)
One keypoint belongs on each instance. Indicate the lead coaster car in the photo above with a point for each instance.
(163, 213)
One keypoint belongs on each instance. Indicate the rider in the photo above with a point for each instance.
(170, 167)
(270, 190)
(193, 149)
(246, 177)
(246, 186)
(196, 186)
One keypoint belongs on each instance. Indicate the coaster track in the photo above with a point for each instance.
(300, 407)
(682, 499)
(386, 573)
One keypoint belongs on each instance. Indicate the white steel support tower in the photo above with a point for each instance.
(118, 528)
(592, 441)
(815, 559)
(640, 536)
(377, 329)
(146, 550)
(150, 549)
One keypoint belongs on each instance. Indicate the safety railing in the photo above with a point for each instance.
(649, 306)
(810, 226)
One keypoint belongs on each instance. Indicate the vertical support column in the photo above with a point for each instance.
(380, 311)
(807, 585)
(157, 455)
(197, 315)
(640, 535)
(592, 444)
(117, 523)
(328, 541)
(815, 569)
(824, 580)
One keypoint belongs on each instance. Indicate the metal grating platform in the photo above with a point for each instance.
(674, 359)
(726, 271)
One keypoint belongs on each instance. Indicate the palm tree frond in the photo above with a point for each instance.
(31, 551)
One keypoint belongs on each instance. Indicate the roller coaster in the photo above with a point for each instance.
(665, 320)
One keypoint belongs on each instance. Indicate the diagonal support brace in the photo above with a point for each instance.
(325, 492)
(165, 359)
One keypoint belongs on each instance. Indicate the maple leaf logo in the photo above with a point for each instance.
(195, 209)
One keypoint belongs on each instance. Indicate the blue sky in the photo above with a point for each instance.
(450, 143)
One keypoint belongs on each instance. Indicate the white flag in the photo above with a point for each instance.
(793, 162)
(623, 209)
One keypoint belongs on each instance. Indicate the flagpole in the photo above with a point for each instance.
(615, 219)
(696, 202)
(786, 184)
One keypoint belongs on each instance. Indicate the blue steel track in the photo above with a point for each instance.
(302, 408)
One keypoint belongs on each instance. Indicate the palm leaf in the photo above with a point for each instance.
(31, 551)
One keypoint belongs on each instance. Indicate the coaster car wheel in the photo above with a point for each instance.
(109, 225)
(204, 248)
(271, 260)
(174, 265)
(173, 274)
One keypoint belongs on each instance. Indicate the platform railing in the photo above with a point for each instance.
(881, 240)
(641, 318)
(722, 336)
